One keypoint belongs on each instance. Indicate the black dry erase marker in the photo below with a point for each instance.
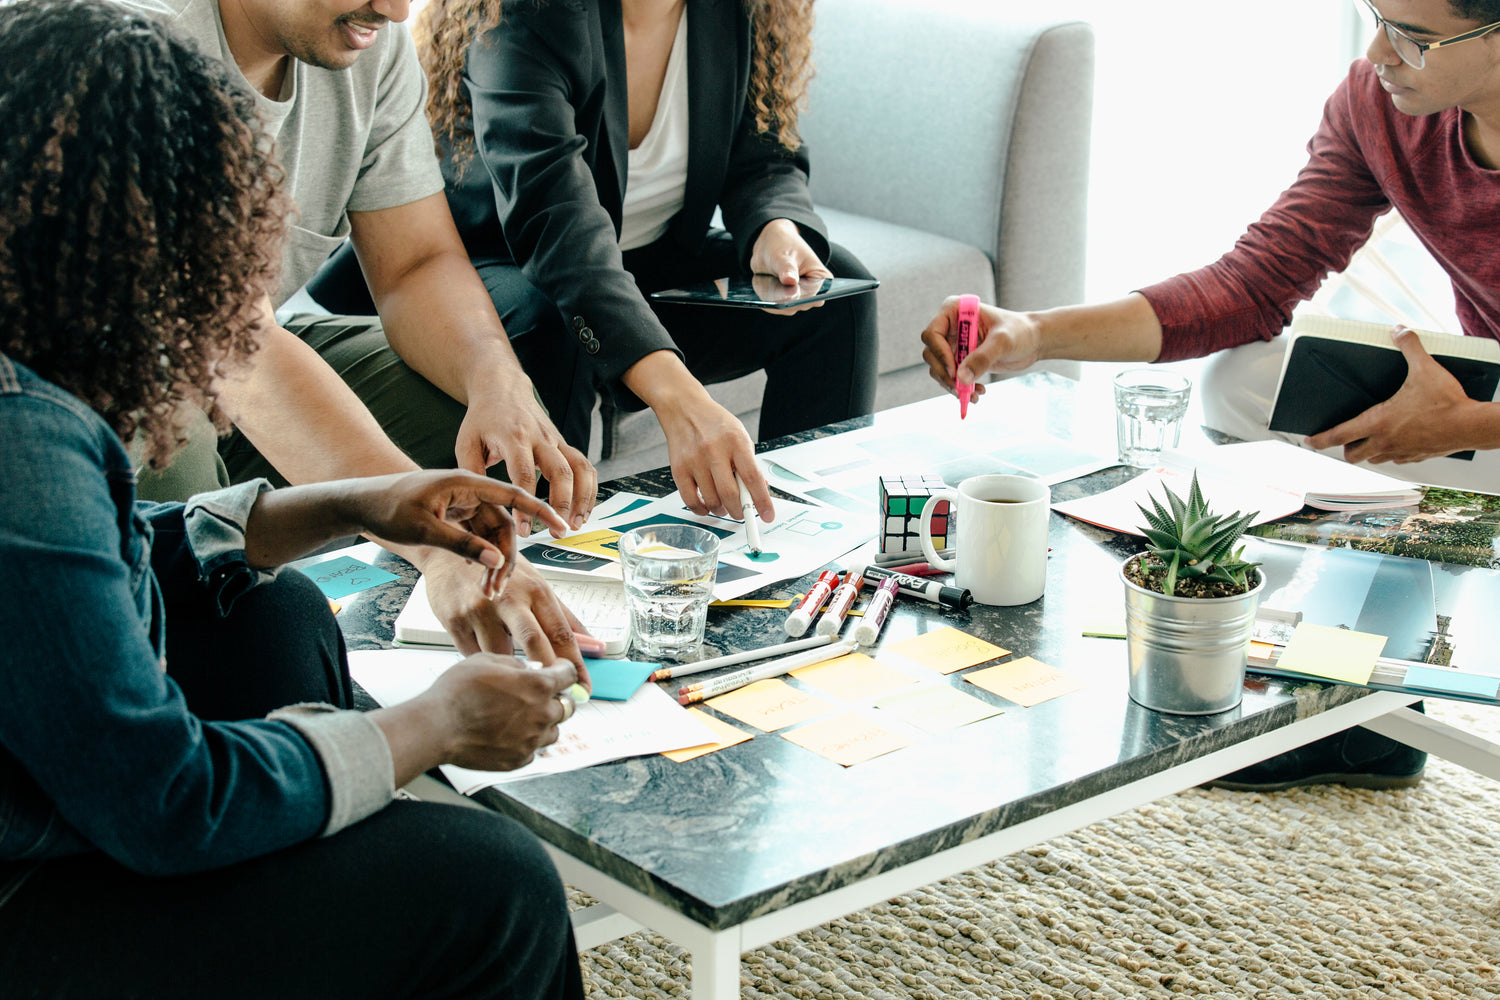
(926, 590)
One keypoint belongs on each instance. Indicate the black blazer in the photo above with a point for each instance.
(551, 123)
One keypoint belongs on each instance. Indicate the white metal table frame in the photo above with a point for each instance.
(716, 954)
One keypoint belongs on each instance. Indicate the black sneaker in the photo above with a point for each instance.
(1356, 757)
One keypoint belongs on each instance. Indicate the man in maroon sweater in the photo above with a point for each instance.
(1415, 127)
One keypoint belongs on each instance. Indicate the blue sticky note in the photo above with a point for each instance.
(346, 575)
(617, 680)
(1453, 681)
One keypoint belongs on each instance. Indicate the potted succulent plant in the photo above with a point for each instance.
(1190, 602)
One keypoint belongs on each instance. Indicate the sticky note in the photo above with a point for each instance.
(617, 680)
(727, 736)
(1339, 654)
(853, 677)
(936, 708)
(847, 739)
(1451, 681)
(945, 650)
(346, 575)
(1026, 681)
(1106, 620)
(769, 705)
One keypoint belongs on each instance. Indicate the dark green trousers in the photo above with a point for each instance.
(420, 418)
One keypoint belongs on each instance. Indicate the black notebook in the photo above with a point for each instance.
(1335, 369)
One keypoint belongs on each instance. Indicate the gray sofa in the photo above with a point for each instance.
(950, 153)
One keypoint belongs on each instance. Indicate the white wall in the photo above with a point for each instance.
(1201, 118)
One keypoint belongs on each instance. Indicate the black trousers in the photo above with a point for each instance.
(418, 900)
(820, 364)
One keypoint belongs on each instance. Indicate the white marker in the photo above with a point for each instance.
(752, 518)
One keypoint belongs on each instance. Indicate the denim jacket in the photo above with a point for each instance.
(97, 748)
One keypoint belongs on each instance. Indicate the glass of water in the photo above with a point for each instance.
(1149, 405)
(669, 583)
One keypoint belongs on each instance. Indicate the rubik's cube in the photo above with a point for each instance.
(903, 504)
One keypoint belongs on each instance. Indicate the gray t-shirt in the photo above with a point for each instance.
(353, 140)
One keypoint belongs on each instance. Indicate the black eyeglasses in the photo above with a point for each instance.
(1411, 51)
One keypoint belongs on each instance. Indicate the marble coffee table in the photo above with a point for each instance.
(762, 840)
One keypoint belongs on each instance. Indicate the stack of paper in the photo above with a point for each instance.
(1272, 478)
(1326, 483)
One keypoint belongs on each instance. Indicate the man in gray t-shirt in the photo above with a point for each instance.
(340, 86)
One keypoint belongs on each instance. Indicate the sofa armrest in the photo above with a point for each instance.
(970, 123)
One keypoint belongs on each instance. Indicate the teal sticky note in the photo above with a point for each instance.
(346, 575)
(1452, 681)
(617, 680)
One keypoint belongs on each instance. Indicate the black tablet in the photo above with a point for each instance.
(764, 291)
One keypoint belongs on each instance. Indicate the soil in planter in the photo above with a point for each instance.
(1149, 573)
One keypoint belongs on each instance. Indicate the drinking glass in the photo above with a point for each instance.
(1149, 405)
(669, 582)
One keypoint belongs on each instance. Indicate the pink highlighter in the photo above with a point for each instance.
(968, 331)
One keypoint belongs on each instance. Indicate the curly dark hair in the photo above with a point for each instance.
(1480, 11)
(140, 215)
(779, 75)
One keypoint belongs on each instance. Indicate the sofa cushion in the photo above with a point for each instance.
(917, 270)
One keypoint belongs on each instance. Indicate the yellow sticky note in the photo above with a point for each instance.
(602, 542)
(847, 739)
(1339, 654)
(727, 735)
(946, 650)
(1105, 620)
(1025, 681)
(769, 705)
(936, 708)
(853, 677)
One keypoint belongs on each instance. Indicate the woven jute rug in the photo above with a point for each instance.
(1323, 892)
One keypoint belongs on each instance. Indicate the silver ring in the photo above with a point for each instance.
(569, 707)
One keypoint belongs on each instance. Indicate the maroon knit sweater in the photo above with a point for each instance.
(1365, 157)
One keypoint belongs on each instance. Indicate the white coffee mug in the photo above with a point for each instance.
(1001, 546)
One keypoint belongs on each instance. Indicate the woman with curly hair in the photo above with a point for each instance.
(587, 146)
(173, 705)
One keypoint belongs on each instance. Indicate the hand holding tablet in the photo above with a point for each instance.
(764, 291)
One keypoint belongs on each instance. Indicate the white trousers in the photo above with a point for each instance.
(1238, 386)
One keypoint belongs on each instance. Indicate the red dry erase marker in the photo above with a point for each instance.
(841, 601)
(802, 615)
(968, 333)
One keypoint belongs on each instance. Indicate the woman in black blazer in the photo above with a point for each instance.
(537, 108)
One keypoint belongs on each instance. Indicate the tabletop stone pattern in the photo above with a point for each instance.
(754, 828)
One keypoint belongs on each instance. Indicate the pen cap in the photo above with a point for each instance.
(797, 623)
(955, 597)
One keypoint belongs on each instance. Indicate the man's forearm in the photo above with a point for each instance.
(435, 310)
(1126, 329)
(441, 322)
(303, 418)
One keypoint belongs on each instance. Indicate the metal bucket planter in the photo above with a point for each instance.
(1187, 654)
